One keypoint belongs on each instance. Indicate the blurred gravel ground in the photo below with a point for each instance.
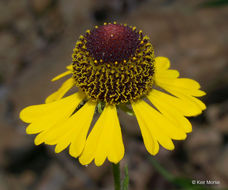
(36, 42)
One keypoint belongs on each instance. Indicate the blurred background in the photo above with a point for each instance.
(36, 42)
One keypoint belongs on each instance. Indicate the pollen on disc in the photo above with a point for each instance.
(112, 42)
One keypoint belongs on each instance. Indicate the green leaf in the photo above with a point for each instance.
(125, 181)
(214, 3)
(168, 176)
(100, 107)
(182, 182)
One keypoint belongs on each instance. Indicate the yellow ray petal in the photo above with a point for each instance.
(73, 130)
(187, 96)
(61, 75)
(33, 113)
(169, 111)
(186, 83)
(80, 133)
(161, 129)
(184, 106)
(70, 67)
(161, 63)
(45, 122)
(149, 140)
(55, 116)
(167, 79)
(198, 102)
(66, 86)
(187, 86)
(166, 74)
(164, 124)
(105, 139)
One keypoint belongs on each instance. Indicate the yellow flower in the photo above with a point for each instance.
(115, 64)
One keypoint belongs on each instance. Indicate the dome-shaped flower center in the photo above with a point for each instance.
(112, 42)
(114, 63)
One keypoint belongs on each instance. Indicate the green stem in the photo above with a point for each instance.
(125, 181)
(116, 175)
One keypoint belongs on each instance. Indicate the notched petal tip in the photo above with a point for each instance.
(38, 141)
(105, 140)
(171, 147)
(59, 148)
(83, 161)
(155, 128)
(98, 163)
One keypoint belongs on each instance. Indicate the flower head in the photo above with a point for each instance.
(115, 64)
